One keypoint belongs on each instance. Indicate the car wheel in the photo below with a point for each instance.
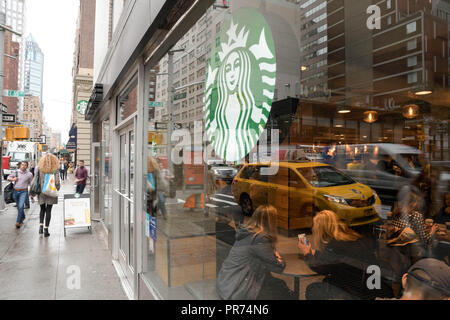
(246, 205)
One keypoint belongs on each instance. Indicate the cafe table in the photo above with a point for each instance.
(297, 268)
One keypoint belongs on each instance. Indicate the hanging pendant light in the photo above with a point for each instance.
(410, 111)
(370, 116)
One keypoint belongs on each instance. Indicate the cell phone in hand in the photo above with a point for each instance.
(302, 238)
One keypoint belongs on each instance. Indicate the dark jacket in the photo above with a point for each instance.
(442, 217)
(248, 264)
(345, 263)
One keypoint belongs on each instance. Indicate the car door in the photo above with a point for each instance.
(259, 188)
(278, 193)
(300, 202)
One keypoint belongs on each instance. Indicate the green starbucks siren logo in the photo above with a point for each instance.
(240, 84)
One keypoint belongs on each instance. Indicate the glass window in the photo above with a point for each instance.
(412, 44)
(412, 61)
(127, 102)
(411, 27)
(348, 118)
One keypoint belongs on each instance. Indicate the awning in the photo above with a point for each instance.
(94, 101)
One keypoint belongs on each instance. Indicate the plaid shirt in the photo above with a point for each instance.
(416, 222)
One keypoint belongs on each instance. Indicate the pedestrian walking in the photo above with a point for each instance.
(47, 166)
(22, 179)
(61, 169)
(81, 175)
(66, 168)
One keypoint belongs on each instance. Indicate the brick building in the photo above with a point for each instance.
(11, 66)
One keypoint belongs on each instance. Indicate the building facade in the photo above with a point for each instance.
(297, 83)
(32, 115)
(15, 18)
(11, 69)
(82, 78)
(34, 69)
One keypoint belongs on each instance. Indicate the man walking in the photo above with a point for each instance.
(61, 169)
(22, 179)
(81, 175)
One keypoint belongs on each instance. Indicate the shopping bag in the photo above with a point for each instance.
(8, 193)
(49, 188)
(36, 185)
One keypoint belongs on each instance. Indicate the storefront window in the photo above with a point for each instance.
(311, 122)
(127, 104)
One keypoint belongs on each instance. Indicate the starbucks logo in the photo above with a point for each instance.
(240, 84)
(81, 106)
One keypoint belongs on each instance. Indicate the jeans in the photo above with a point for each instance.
(80, 188)
(61, 174)
(20, 198)
(162, 203)
(65, 174)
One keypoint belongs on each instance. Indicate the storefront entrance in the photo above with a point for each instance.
(126, 203)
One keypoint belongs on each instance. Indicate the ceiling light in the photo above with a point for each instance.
(370, 116)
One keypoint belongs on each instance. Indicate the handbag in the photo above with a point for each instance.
(49, 188)
(36, 185)
(8, 193)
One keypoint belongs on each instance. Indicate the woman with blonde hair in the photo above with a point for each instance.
(245, 273)
(342, 255)
(49, 164)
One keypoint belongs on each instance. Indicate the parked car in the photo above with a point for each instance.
(299, 189)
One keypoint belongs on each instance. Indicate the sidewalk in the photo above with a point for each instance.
(34, 267)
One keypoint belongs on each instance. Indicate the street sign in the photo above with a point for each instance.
(4, 108)
(179, 96)
(156, 104)
(177, 126)
(6, 117)
(161, 125)
(36, 140)
(13, 93)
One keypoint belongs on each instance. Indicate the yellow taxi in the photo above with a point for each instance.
(299, 189)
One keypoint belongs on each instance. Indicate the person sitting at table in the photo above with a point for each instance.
(443, 216)
(427, 279)
(413, 239)
(246, 272)
(342, 255)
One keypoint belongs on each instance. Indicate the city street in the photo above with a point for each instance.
(34, 267)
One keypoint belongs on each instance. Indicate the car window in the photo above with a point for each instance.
(247, 172)
(320, 177)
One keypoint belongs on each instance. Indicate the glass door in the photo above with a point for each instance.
(96, 194)
(126, 196)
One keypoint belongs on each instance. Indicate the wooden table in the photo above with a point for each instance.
(297, 267)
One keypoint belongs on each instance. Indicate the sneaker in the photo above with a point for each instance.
(18, 225)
